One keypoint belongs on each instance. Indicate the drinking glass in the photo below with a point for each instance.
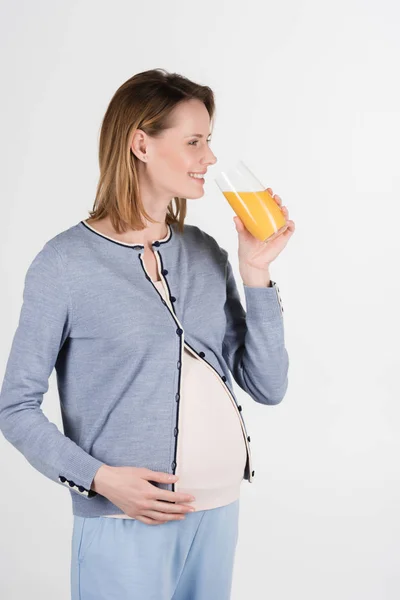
(251, 201)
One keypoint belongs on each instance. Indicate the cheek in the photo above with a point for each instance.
(172, 163)
(179, 162)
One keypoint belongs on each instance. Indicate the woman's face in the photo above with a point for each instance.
(178, 152)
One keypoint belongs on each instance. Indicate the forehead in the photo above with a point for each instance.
(189, 117)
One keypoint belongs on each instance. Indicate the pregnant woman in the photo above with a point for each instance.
(141, 318)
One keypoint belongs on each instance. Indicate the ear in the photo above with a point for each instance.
(139, 144)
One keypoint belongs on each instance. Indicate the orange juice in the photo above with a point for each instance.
(260, 214)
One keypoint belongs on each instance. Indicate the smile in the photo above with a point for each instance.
(198, 177)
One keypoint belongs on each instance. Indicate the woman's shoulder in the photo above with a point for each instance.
(205, 239)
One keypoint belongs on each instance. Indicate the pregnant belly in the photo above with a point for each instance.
(211, 453)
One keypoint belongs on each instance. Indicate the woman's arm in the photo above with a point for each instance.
(44, 325)
(254, 345)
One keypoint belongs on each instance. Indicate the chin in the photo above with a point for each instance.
(192, 195)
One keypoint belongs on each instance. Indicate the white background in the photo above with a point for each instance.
(308, 96)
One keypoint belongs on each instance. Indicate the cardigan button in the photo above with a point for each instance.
(202, 354)
(248, 438)
(177, 397)
(173, 465)
(62, 478)
(223, 378)
(164, 272)
(71, 483)
(179, 331)
(163, 301)
(252, 473)
(176, 431)
(239, 408)
(178, 364)
(173, 299)
(81, 488)
(156, 243)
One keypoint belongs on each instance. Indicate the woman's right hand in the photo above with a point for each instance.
(130, 489)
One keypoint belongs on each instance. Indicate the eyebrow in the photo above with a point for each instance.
(199, 135)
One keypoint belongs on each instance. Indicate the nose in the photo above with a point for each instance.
(213, 158)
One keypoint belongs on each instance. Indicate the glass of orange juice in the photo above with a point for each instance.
(252, 203)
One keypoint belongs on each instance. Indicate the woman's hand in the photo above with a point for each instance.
(130, 489)
(255, 256)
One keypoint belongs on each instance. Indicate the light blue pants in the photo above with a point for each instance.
(124, 559)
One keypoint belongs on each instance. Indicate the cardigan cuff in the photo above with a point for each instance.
(266, 299)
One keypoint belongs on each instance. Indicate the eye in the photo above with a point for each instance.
(196, 141)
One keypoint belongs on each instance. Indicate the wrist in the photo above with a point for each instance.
(256, 278)
(101, 478)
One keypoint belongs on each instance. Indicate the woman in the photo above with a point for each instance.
(141, 318)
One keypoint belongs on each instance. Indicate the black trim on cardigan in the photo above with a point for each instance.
(126, 245)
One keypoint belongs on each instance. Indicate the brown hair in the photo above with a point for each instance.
(145, 101)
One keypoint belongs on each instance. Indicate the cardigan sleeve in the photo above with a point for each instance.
(254, 346)
(44, 325)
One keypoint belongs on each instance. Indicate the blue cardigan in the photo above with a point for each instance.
(91, 311)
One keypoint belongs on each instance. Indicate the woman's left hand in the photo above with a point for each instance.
(256, 254)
